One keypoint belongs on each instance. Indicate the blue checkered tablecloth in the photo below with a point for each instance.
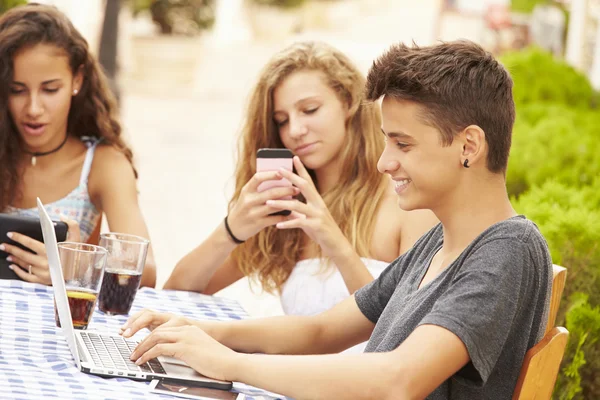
(35, 361)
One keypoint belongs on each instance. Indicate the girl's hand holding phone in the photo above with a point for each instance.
(33, 267)
(251, 213)
(313, 217)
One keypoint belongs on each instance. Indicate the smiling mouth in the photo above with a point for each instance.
(400, 185)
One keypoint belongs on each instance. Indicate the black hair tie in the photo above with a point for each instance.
(231, 235)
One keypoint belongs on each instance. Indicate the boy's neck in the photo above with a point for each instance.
(473, 210)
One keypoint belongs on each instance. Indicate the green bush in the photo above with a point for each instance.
(281, 3)
(590, 195)
(553, 178)
(569, 219)
(8, 4)
(178, 17)
(525, 6)
(540, 77)
(579, 379)
(553, 142)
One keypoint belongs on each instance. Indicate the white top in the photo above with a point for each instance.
(312, 289)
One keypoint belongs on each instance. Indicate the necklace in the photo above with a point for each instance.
(36, 154)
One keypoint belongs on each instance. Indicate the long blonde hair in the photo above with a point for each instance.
(271, 254)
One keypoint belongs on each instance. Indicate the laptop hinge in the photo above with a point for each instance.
(81, 351)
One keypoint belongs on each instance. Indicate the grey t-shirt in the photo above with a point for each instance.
(494, 297)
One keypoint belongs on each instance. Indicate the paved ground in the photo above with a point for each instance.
(184, 137)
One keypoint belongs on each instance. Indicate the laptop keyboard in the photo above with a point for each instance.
(114, 351)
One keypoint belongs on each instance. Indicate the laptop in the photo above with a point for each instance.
(104, 354)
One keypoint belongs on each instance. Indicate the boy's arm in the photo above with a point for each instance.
(332, 331)
(428, 357)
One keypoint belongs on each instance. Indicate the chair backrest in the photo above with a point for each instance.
(559, 277)
(542, 361)
(540, 367)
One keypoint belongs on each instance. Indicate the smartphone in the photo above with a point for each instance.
(189, 391)
(273, 160)
(28, 226)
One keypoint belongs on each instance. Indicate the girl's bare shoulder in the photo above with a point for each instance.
(111, 170)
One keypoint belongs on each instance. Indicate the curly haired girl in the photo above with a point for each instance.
(60, 139)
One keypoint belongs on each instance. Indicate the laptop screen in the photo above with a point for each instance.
(58, 281)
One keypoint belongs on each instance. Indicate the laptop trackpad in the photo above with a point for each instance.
(178, 369)
(171, 360)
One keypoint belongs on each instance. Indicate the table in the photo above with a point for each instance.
(35, 361)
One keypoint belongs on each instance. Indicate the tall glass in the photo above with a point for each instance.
(123, 273)
(83, 267)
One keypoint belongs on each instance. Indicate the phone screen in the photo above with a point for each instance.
(273, 160)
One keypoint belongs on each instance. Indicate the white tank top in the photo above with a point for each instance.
(309, 290)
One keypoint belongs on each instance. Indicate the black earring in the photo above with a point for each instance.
(466, 163)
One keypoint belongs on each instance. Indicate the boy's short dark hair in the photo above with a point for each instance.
(457, 84)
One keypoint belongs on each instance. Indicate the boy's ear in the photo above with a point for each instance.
(474, 145)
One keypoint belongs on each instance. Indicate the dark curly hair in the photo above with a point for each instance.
(93, 111)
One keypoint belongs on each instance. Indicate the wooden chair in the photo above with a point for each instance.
(542, 361)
